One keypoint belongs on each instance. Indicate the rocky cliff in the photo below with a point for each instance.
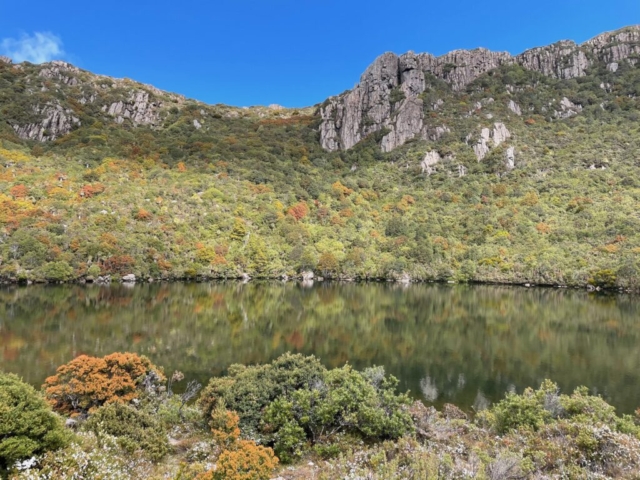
(391, 95)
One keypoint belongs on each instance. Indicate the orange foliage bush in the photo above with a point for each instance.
(143, 215)
(260, 188)
(86, 383)
(340, 190)
(247, 461)
(89, 191)
(19, 191)
(299, 210)
(117, 264)
(240, 459)
(224, 426)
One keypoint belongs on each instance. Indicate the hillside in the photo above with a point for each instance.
(475, 166)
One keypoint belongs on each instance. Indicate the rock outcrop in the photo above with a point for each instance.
(61, 71)
(389, 99)
(488, 138)
(429, 161)
(118, 99)
(515, 108)
(56, 122)
(510, 158)
(567, 109)
(138, 108)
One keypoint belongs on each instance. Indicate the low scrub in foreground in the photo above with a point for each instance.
(295, 419)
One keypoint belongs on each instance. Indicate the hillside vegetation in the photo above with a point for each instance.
(178, 189)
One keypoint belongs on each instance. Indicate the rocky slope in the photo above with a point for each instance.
(52, 99)
(392, 94)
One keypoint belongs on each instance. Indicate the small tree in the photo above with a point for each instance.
(28, 427)
(327, 264)
(86, 383)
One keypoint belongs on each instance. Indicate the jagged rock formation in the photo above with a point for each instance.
(62, 71)
(56, 122)
(138, 108)
(567, 109)
(389, 95)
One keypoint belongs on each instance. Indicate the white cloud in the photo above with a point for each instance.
(37, 48)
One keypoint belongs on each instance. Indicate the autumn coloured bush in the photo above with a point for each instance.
(142, 215)
(118, 264)
(88, 191)
(299, 210)
(239, 459)
(19, 191)
(86, 383)
(246, 461)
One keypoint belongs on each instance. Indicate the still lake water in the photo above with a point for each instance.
(466, 345)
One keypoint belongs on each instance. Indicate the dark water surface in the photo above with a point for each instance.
(461, 344)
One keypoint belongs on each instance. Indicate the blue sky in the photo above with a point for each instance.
(293, 53)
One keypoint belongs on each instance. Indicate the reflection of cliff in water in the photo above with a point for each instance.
(461, 344)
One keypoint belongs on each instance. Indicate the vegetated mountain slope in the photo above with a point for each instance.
(518, 174)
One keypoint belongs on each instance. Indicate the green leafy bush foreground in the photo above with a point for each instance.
(28, 427)
(295, 419)
(295, 402)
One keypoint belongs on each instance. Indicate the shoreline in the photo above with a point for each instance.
(308, 282)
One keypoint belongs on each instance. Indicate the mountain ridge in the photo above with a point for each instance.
(367, 108)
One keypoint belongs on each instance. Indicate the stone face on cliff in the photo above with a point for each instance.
(429, 161)
(56, 122)
(389, 95)
(490, 137)
(567, 109)
(515, 108)
(138, 108)
(62, 71)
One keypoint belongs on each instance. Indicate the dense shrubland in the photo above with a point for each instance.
(295, 419)
(254, 193)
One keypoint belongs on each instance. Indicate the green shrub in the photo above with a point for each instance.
(134, 429)
(364, 404)
(248, 390)
(28, 427)
(536, 408)
(57, 271)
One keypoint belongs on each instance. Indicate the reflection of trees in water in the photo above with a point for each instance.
(428, 389)
(468, 341)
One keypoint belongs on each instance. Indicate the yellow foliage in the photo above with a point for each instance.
(14, 155)
(59, 193)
